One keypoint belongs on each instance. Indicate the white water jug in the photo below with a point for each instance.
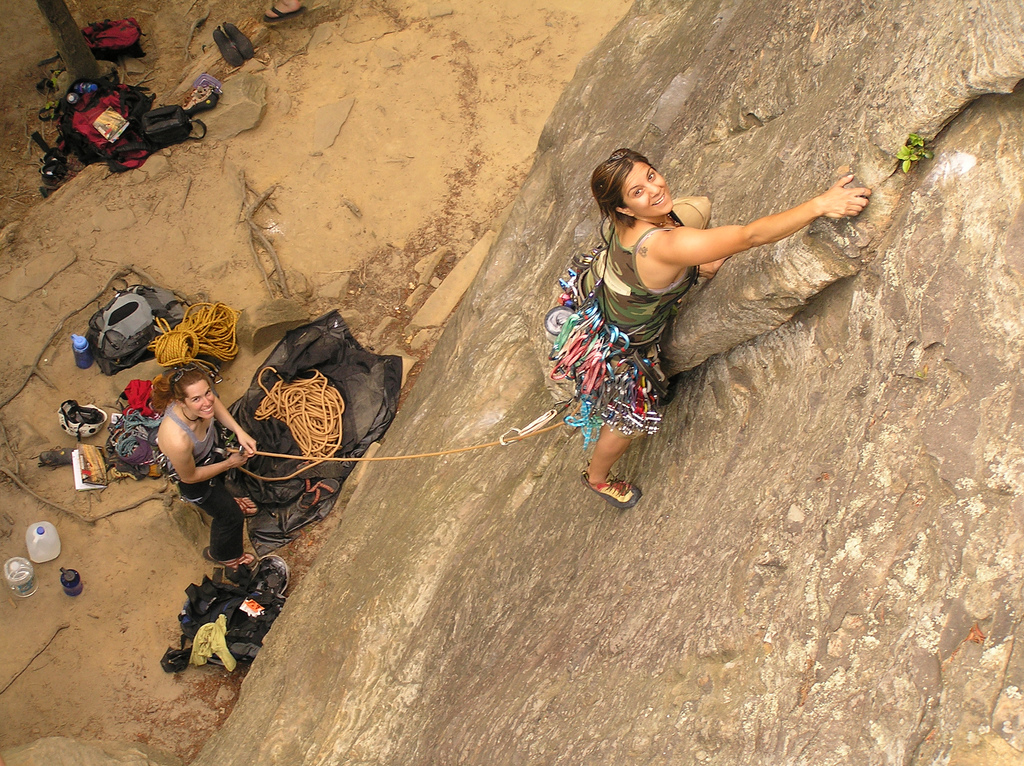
(42, 541)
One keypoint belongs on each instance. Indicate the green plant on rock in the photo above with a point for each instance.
(912, 151)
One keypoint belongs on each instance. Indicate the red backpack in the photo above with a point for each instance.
(109, 39)
(79, 110)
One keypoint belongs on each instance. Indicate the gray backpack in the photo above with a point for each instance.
(120, 332)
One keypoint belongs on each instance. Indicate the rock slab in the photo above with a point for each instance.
(266, 323)
(824, 568)
(444, 299)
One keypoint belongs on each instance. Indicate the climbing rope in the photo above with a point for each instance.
(130, 438)
(532, 429)
(208, 329)
(310, 407)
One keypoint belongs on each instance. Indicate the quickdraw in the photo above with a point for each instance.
(514, 434)
(596, 356)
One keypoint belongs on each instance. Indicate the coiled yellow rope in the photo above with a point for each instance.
(208, 329)
(312, 410)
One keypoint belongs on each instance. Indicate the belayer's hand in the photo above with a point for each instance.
(247, 443)
(840, 202)
(236, 458)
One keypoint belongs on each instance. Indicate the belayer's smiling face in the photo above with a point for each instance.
(198, 400)
(645, 194)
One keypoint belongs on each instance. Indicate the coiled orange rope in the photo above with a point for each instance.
(208, 329)
(312, 410)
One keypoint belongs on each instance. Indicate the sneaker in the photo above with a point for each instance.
(619, 493)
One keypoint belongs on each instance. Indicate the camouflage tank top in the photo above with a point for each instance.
(638, 311)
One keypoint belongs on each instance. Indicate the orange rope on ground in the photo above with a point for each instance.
(310, 407)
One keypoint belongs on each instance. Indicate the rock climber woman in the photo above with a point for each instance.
(650, 262)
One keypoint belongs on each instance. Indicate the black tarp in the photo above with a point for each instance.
(369, 384)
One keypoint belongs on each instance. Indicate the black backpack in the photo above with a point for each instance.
(119, 332)
(250, 605)
(169, 125)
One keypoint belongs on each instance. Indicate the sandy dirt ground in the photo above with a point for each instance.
(448, 103)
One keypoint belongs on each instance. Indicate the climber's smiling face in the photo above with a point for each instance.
(645, 194)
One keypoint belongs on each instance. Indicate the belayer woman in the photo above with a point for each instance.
(651, 260)
(187, 438)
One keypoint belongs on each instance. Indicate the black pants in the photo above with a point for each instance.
(228, 521)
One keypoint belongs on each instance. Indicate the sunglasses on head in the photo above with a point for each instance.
(179, 372)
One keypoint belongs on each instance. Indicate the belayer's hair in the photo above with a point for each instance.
(607, 183)
(171, 386)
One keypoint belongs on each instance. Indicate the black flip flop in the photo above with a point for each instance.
(227, 48)
(242, 43)
(282, 15)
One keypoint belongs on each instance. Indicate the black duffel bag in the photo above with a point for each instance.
(169, 125)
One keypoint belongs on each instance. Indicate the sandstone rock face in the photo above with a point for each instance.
(825, 567)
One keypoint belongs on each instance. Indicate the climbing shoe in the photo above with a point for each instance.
(619, 493)
(55, 457)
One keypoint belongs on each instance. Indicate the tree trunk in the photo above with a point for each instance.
(71, 45)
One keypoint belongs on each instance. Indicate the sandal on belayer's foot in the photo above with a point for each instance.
(246, 558)
(227, 48)
(315, 492)
(247, 506)
(619, 493)
(242, 43)
(281, 15)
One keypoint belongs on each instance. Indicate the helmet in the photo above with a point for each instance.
(81, 421)
(271, 576)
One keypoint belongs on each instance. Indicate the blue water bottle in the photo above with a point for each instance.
(70, 581)
(83, 356)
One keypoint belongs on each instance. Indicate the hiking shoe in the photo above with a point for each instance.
(619, 493)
